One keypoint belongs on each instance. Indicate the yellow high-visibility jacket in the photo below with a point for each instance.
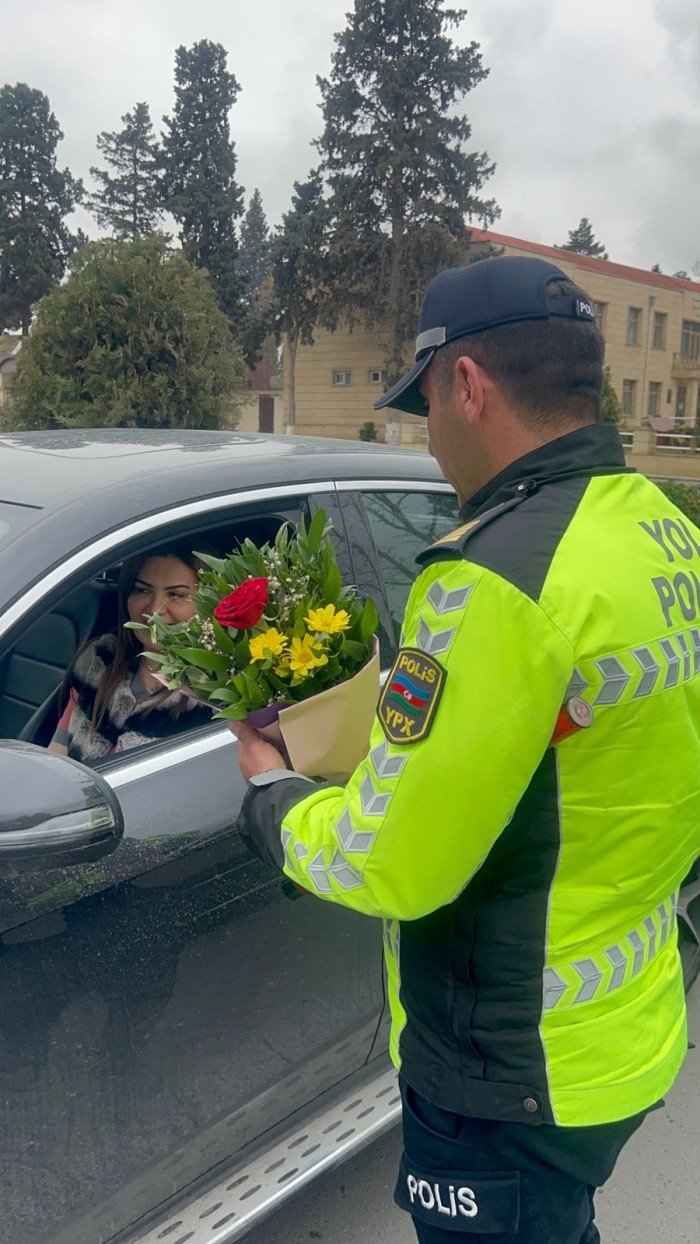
(528, 890)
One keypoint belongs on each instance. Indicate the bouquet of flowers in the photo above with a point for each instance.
(278, 641)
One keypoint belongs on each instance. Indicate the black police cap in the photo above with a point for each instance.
(505, 290)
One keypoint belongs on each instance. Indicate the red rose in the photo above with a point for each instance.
(243, 607)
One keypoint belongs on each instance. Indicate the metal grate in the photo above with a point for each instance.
(241, 1201)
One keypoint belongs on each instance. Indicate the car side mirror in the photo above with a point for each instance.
(53, 811)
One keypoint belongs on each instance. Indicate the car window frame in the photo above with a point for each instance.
(120, 769)
(69, 573)
(123, 768)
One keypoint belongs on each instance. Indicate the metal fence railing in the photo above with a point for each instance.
(676, 443)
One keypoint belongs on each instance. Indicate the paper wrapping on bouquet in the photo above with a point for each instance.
(327, 735)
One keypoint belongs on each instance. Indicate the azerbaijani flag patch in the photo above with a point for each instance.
(411, 694)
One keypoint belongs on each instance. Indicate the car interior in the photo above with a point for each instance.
(32, 672)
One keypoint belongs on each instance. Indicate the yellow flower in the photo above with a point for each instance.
(305, 655)
(270, 644)
(328, 619)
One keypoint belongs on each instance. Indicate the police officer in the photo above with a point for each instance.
(530, 801)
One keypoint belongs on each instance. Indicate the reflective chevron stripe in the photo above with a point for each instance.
(577, 686)
(354, 841)
(446, 602)
(434, 643)
(586, 980)
(651, 670)
(615, 680)
(319, 873)
(442, 601)
(386, 766)
(673, 661)
(373, 802)
(636, 673)
(392, 937)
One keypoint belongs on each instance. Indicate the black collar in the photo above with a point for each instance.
(595, 450)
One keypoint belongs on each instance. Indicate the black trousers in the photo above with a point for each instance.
(502, 1183)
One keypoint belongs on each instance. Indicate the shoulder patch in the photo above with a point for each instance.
(411, 695)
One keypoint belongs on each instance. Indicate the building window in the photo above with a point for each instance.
(599, 309)
(654, 398)
(628, 392)
(342, 377)
(690, 340)
(377, 375)
(659, 342)
(634, 319)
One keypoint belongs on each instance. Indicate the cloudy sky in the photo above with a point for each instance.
(590, 109)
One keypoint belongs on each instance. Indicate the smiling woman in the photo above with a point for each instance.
(112, 698)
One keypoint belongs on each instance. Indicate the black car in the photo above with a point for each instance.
(183, 1042)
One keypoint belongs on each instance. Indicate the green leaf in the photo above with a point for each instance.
(354, 649)
(214, 662)
(225, 695)
(369, 621)
(214, 563)
(316, 532)
(253, 691)
(223, 638)
(332, 585)
(236, 712)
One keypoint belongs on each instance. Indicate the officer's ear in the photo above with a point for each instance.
(472, 387)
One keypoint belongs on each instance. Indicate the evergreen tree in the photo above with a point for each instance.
(298, 255)
(610, 408)
(199, 169)
(394, 152)
(133, 338)
(582, 241)
(656, 267)
(128, 202)
(35, 198)
(254, 266)
(254, 247)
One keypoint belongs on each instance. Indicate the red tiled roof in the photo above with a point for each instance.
(261, 376)
(604, 266)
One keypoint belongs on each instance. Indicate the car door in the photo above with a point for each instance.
(163, 1008)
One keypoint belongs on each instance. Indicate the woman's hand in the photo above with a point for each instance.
(254, 754)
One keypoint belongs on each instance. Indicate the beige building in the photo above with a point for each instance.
(651, 325)
(10, 346)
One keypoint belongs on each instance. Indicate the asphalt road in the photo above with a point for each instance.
(654, 1194)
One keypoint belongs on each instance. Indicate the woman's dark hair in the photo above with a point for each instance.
(128, 649)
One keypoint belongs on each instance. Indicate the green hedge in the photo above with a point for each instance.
(685, 496)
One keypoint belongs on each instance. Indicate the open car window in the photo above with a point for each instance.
(33, 670)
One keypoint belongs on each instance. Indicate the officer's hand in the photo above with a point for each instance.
(254, 754)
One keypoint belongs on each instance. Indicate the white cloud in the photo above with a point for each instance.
(589, 110)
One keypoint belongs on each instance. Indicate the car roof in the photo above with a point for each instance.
(60, 491)
(154, 469)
